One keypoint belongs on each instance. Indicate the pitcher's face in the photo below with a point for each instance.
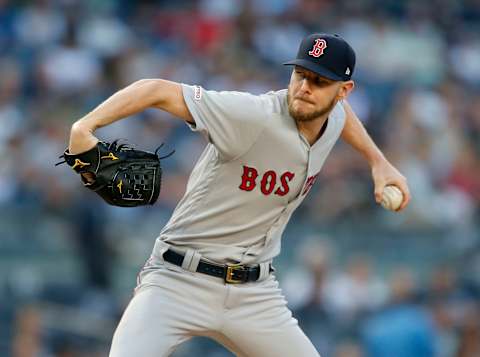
(311, 96)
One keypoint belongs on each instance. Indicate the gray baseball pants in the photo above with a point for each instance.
(170, 305)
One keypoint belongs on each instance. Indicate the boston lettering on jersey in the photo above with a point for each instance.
(308, 185)
(268, 182)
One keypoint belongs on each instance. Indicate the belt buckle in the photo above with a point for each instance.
(229, 277)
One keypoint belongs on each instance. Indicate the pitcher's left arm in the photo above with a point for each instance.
(383, 172)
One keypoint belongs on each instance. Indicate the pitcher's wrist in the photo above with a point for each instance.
(81, 138)
(375, 157)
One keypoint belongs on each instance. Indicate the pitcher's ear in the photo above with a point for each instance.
(345, 89)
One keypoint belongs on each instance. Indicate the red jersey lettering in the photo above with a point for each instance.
(249, 176)
(268, 182)
(284, 180)
(308, 185)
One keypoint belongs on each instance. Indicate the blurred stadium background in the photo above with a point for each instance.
(361, 281)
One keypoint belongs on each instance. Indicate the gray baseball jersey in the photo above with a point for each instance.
(254, 172)
(252, 175)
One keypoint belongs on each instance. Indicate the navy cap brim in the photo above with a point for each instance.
(320, 70)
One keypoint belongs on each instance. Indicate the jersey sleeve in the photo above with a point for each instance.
(232, 121)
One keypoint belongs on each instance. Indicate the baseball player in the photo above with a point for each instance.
(210, 272)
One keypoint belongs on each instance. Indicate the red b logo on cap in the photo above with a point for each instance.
(318, 48)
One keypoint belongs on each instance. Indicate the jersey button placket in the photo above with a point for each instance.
(295, 202)
(309, 164)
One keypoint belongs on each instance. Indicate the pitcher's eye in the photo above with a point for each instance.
(321, 82)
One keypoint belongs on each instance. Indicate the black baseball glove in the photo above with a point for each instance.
(120, 174)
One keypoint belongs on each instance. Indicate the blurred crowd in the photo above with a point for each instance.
(69, 260)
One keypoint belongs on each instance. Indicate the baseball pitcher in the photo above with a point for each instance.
(210, 272)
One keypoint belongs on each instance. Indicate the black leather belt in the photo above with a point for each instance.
(232, 274)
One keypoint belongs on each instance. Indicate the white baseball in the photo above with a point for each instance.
(392, 198)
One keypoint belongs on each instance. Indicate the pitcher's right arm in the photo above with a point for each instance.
(140, 95)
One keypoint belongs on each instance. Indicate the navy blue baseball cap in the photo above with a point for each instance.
(327, 55)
